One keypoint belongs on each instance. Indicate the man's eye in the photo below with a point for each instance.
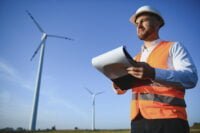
(141, 21)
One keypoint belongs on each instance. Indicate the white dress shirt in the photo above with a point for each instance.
(182, 71)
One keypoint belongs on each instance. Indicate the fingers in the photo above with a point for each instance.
(143, 71)
(136, 72)
(137, 69)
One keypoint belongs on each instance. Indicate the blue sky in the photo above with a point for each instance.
(97, 26)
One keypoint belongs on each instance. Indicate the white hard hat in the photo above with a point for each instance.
(146, 9)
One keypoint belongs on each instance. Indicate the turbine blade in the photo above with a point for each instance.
(89, 91)
(62, 37)
(99, 92)
(36, 51)
(36, 23)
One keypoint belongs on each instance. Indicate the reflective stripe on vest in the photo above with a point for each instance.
(163, 99)
(156, 100)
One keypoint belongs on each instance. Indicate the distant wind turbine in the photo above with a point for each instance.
(93, 105)
(40, 47)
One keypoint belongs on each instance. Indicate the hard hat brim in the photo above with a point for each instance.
(134, 17)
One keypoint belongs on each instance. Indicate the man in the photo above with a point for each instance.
(159, 107)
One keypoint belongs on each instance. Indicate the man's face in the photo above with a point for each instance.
(147, 27)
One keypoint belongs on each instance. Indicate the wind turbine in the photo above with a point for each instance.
(93, 105)
(41, 47)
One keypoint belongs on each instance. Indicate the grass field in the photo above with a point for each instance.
(86, 131)
(79, 131)
(192, 130)
(100, 131)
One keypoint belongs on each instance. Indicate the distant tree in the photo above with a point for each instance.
(47, 129)
(75, 128)
(196, 125)
(53, 128)
(20, 129)
(7, 130)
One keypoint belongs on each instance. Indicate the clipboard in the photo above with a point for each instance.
(113, 65)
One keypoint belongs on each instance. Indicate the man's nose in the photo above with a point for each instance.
(139, 25)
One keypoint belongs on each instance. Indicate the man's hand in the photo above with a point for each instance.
(142, 71)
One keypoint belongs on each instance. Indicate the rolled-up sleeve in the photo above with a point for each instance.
(183, 72)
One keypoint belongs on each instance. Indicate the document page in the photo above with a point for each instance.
(113, 63)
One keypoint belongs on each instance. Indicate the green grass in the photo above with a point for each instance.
(99, 131)
(84, 131)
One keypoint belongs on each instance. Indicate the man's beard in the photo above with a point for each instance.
(145, 34)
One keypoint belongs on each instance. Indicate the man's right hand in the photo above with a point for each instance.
(142, 71)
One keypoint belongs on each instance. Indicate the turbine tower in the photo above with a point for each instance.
(93, 105)
(40, 48)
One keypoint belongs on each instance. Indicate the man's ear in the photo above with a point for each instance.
(158, 23)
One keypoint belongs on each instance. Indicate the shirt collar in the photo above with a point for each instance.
(153, 45)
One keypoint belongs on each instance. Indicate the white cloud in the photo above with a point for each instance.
(9, 73)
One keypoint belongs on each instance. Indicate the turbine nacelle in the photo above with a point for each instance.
(44, 36)
(93, 94)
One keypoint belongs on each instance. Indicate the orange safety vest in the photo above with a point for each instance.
(158, 101)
